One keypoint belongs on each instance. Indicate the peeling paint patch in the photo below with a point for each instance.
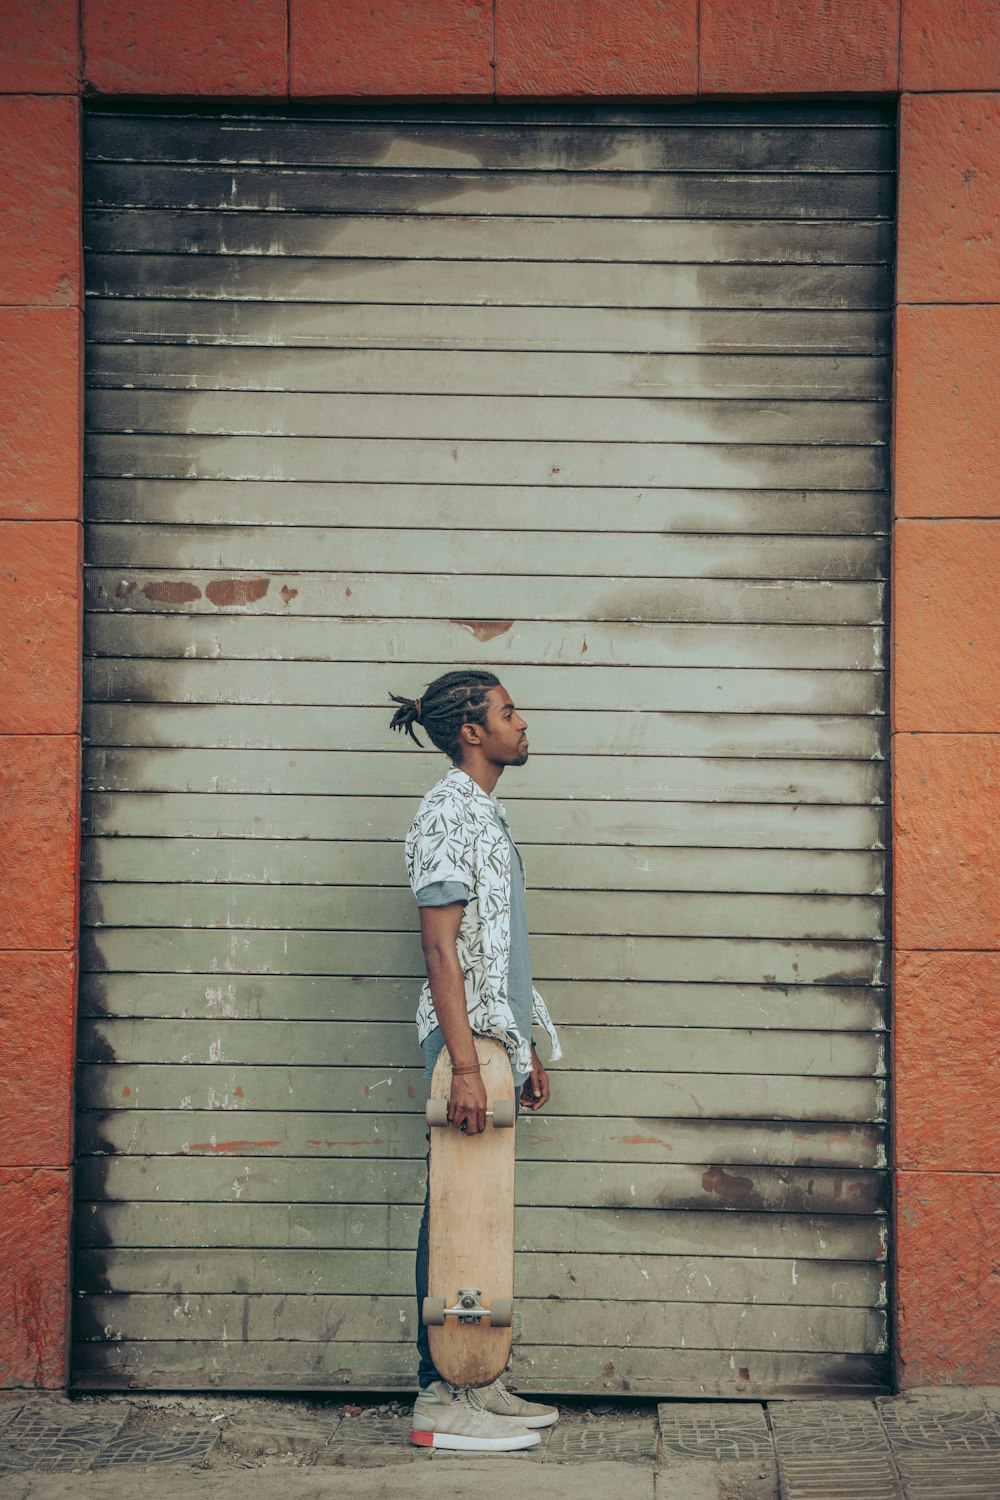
(229, 592)
(169, 591)
(486, 630)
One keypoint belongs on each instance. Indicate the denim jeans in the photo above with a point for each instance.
(426, 1370)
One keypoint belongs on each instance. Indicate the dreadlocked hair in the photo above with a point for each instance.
(448, 702)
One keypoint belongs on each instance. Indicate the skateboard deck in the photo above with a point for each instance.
(471, 1242)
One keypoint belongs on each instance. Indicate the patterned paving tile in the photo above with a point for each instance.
(802, 1427)
(950, 1476)
(292, 1419)
(714, 1429)
(609, 1442)
(190, 1445)
(254, 1431)
(55, 1436)
(369, 1441)
(939, 1425)
(861, 1476)
(8, 1411)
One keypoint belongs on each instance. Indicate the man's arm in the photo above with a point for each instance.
(439, 927)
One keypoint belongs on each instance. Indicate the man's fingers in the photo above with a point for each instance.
(467, 1105)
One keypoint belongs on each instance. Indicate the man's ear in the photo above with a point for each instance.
(470, 733)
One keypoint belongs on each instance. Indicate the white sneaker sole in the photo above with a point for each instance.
(454, 1440)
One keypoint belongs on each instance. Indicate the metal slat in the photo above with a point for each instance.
(389, 1318)
(464, 373)
(646, 1278)
(337, 773)
(635, 147)
(581, 115)
(692, 1049)
(213, 996)
(719, 689)
(633, 824)
(452, 237)
(284, 1133)
(292, 1365)
(311, 862)
(436, 594)
(256, 278)
(641, 914)
(402, 551)
(236, 637)
(375, 326)
(605, 732)
(710, 959)
(715, 464)
(213, 502)
(488, 418)
(779, 1097)
(634, 1186)
(612, 1232)
(794, 377)
(640, 195)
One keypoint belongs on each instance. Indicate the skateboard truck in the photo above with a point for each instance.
(468, 1309)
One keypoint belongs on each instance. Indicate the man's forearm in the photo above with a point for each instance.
(447, 983)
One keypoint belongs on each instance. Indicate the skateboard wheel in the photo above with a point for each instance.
(501, 1312)
(503, 1114)
(437, 1112)
(433, 1312)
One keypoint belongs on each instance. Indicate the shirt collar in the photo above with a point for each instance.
(470, 787)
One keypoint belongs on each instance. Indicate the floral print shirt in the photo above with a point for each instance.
(460, 834)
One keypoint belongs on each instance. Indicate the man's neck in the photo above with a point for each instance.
(483, 772)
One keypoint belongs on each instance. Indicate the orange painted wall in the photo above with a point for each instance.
(946, 704)
(944, 57)
(40, 543)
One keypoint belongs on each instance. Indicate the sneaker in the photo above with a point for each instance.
(503, 1403)
(446, 1416)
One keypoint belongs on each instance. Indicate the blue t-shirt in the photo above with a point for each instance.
(519, 983)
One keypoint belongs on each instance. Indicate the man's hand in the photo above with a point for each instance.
(535, 1089)
(467, 1103)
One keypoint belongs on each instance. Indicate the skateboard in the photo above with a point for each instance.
(469, 1308)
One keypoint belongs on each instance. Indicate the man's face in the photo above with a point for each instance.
(503, 738)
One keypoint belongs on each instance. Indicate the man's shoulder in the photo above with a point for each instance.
(453, 799)
(447, 797)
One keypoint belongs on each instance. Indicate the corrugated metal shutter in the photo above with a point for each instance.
(599, 398)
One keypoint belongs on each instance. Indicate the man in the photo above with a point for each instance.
(468, 879)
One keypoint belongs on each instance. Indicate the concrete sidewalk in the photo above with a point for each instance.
(942, 1444)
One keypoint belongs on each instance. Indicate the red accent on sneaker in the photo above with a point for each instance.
(424, 1439)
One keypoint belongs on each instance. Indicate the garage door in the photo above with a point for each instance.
(601, 401)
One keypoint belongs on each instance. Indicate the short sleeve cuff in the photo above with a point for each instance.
(443, 893)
